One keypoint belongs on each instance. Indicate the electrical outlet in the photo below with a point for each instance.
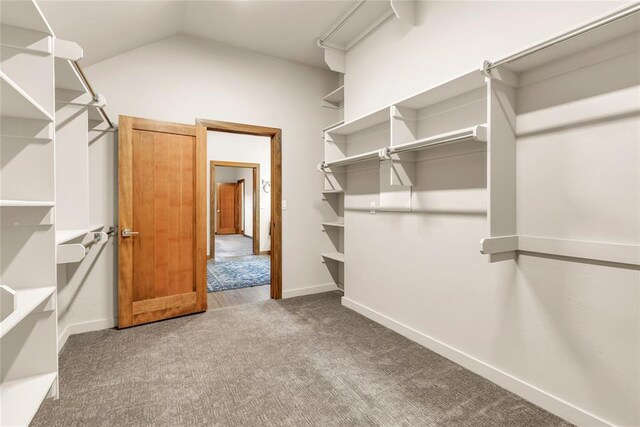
(372, 207)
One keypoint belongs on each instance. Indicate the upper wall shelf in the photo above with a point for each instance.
(446, 90)
(335, 99)
(16, 102)
(364, 17)
(24, 14)
(609, 27)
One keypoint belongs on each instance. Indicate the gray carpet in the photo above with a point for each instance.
(304, 361)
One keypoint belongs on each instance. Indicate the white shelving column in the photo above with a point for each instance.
(333, 190)
(28, 330)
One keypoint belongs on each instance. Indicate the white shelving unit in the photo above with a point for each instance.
(28, 347)
(45, 112)
(475, 112)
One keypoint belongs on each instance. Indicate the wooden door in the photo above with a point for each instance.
(227, 208)
(162, 220)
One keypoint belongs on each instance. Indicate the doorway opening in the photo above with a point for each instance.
(243, 229)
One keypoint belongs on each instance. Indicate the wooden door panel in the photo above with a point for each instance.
(226, 208)
(160, 187)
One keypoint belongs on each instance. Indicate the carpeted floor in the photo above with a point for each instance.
(235, 266)
(238, 272)
(304, 361)
(230, 245)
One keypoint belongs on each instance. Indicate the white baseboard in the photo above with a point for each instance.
(529, 392)
(309, 290)
(78, 328)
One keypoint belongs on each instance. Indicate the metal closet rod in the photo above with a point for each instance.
(340, 22)
(615, 16)
(93, 94)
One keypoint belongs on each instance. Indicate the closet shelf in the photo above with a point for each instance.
(450, 89)
(335, 99)
(333, 224)
(16, 102)
(361, 123)
(609, 27)
(63, 236)
(330, 127)
(332, 191)
(25, 203)
(27, 301)
(334, 256)
(24, 14)
(475, 133)
(21, 398)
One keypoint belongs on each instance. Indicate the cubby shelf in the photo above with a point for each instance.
(16, 102)
(333, 224)
(25, 203)
(334, 256)
(21, 398)
(27, 300)
(335, 99)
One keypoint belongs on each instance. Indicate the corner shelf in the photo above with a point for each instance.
(333, 224)
(27, 300)
(21, 398)
(16, 102)
(335, 99)
(334, 256)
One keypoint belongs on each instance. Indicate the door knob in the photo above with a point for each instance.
(126, 232)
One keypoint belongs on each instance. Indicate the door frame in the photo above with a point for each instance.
(212, 202)
(275, 134)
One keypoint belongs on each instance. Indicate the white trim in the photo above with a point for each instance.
(309, 290)
(79, 328)
(527, 391)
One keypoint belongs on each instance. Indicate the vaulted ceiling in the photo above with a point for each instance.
(285, 29)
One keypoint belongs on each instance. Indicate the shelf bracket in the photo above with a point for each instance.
(502, 75)
(335, 59)
(64, 49)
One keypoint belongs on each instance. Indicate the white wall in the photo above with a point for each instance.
(183, 78)
(248, 149)
(88, 290)
(561, 331)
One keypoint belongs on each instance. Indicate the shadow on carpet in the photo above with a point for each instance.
(238, 272)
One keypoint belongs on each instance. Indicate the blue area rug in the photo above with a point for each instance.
(238, 272)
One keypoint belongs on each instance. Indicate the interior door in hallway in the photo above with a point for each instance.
(228, 208)
(162, 220)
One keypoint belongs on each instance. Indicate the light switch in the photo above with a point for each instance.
(284, 205)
